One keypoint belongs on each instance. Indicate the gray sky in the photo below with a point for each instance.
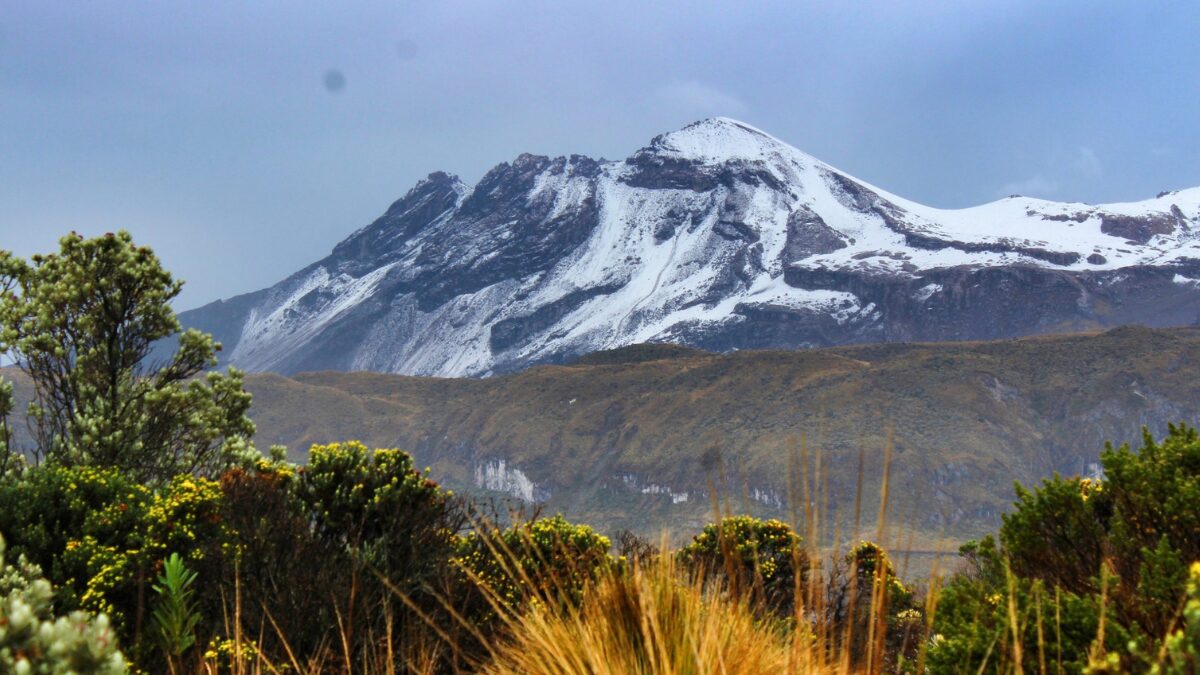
(243, 139)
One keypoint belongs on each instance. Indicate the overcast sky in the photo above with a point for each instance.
(243, 139)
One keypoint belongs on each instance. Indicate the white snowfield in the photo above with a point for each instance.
(727, 250)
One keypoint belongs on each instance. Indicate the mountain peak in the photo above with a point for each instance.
(716, 236)
(717, 140)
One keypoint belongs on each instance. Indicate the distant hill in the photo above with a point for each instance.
(633, 437)
(715, 236)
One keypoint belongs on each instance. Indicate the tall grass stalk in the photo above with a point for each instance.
(652, 619)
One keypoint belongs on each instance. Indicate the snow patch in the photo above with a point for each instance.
(767, 496)
(635, 483)
(925, 292)
(497, 476)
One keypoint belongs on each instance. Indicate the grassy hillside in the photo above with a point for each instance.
(609, 439)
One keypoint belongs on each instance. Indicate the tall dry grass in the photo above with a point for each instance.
(653, 618)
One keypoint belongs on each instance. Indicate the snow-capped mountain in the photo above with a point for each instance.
(717, 236)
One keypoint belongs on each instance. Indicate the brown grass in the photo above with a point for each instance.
(650, 620)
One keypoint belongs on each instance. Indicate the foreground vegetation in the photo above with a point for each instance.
(150, 536)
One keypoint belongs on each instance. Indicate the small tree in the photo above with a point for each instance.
(82, 323)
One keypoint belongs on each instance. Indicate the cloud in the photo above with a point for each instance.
(1034, 186)
(1071, 168)
(700, 99)
(1087, 163)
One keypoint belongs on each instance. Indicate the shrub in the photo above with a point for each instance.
(358, 540)
(101, 537)
(989, 620)
(86, 527)
(545, 560)
(1056, 532)
(1181, 649)
(869, 613)
(760, 557)
(1140, 517)
(377, 504)
(32, 640)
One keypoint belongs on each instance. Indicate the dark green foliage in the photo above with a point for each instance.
(760, 557)
(1056, 533)
(357, 529)
(175, 616)
(82, 324)
(548, 559)
(1181, 649)
(1154, 530)
(1141, 517)
(870, 612)
(1140, 521)
(974, 624)
(276, 550)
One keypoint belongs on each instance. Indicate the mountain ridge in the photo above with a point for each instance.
(636, 437)
(716, 236)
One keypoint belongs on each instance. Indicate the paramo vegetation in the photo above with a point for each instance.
(144, 533)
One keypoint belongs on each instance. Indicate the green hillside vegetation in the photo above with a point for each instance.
(151, 536)
(964, 420)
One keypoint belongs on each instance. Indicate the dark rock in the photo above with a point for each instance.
(1138, 229)
(808, 235)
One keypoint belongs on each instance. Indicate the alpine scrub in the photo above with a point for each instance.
(33, 640)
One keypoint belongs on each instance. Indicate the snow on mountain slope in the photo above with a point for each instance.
(718, 236)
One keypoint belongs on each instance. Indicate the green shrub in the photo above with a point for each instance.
(33, 640)
(988, 619)
(1181, 650)
(377, 504)
(86, 527)
(762, 557)
(359, 539)
(100, 537)
(1056, 532)
(1078, 548)
(869, 612)
(82, 324)
(1141, 518)
(544, 560)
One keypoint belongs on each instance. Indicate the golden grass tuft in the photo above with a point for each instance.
(652, 619)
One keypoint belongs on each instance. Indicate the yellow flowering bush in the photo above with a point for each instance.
(33, 640)
(101, 536)
(751, 555)
(545, 560)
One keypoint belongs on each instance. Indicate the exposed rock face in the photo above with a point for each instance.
(717, 236)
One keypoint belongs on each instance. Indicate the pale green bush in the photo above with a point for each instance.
(32, 640)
